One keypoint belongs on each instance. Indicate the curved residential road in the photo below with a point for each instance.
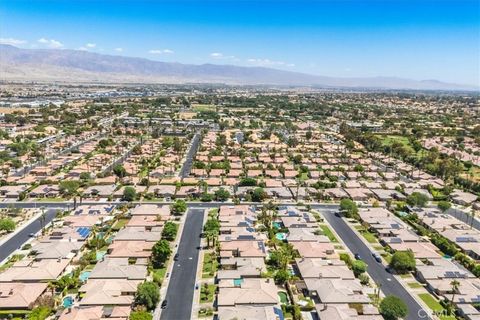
(388, 283)
(17, 241)
(181, 286)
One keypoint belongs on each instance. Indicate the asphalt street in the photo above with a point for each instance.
(388, 284)
(182, 280)
(187, 165)
(22, 236)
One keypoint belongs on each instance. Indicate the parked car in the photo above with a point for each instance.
(377, 257)
(164, 304)
(357, 256)
(175, 258)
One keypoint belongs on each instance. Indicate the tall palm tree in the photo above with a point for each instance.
(455, 285)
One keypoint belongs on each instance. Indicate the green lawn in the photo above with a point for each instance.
(387, 257)
(370, 237)
(207, 293)
(390, 139)
(304, 176)
(204, 107)
(209, 266)
(327, 232)
(434, 305)
(120, 224)
(415, 285)
(50, 199)
(159, 274)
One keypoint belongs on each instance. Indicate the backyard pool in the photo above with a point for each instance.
(237, 282)
(84, 275)
(100, 255)
(68, 301)
(277, 225)
(281, 236)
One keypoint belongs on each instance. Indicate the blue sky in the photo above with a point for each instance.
(349, 38)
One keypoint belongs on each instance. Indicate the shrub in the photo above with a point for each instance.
(147, 295)
(140, 315)
(392, 308)
(403, 261)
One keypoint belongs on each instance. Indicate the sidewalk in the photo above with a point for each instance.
(196, 294)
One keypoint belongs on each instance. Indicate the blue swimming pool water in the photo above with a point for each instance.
(67, 302)
(281, 236)
(100, 255)
(84, 275)
(237, 282)
(277, 225)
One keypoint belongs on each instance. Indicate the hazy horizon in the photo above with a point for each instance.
(420, 40)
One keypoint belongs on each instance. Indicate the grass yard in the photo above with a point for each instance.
(435, 306)
(388, 140)
(207, 293)
(415, 285)
(327, 232)
(387, 257)
(210, 265)
(370, 237)
(203, 107)
(159, 274)
(120, 224)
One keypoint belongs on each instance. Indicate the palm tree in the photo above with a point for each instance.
(472, 218)
(455, 285)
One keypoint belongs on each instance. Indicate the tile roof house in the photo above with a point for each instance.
(323, 269)
(103, 292)
(336, 291)
(118, 268)
(28, 270)
(346, 312)
(257, 292)
(242, 312)
(96, 312)
(15, 295)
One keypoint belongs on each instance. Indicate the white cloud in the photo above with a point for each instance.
(82, 49)
(91, 45)
(51, 43)
(161, 51)
(269, 63)
(219, 55)
(118, 49)
(12, 41)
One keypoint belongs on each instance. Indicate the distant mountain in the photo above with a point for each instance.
(84, 66)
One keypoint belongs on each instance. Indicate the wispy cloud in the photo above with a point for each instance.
(91, 45)
(161, 51)
(51, 43)
(221, 56)
(269, 63)
(12, 41)
(118, 49)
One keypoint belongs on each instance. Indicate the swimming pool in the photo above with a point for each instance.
(100, 255)
(277, 225)
(84, 275)
(237, 282)
(67, 302)
(281, 236)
